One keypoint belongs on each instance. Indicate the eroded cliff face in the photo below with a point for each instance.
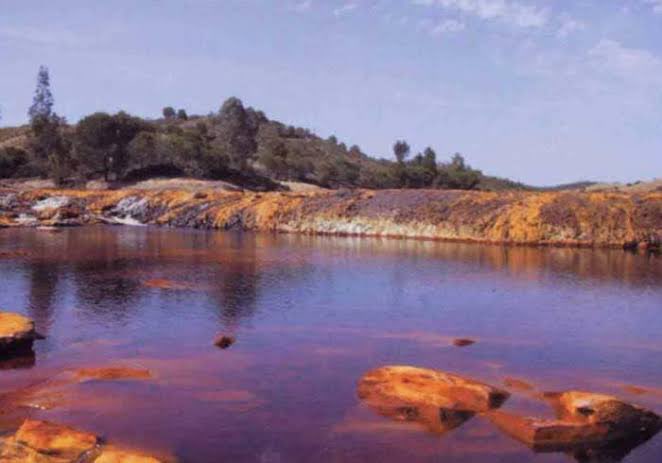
(557, 218)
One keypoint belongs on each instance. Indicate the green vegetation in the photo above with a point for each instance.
(237, 143)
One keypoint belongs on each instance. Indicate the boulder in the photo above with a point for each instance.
(587, 408)
(546, 434)
(583, 420)
(394, 385)
(17, 333)
(45, 442)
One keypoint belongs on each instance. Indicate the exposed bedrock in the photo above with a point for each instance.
(558, 218)
(17, 333)
(46, 442)
(588, 425)
(437, 400)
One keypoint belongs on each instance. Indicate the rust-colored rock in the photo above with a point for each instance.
(589, 408)
(161, 283)
(610, 219)
(437, 400)
(112, 374)
(545, 434)
(45, 442)
(393, 385)
(17, 333)
(517, 384)
(113, 455)
(463, 342)
(224, 341)
(584, 420)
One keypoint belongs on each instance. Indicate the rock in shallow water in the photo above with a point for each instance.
(17, 333)
(584, 419)
(437, 400)
(405, 384)
(46, 442)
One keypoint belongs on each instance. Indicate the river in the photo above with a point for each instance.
(310, 315)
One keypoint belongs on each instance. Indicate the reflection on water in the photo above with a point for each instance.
(313, 314)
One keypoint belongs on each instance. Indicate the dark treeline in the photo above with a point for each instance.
(236, 143)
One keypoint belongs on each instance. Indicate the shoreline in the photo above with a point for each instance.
(513, 218)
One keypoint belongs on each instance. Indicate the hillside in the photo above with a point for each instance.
(237, 144)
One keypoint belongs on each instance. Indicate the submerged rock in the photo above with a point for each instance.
(584, 420)
(112, 374)
(17, 333)
(224, 341)
(161, 283)
(463, 342)
(437, 400)
(623, 419)
(45, 442)
(398, 384)
(112, 455)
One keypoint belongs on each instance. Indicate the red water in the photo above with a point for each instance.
(310, 316)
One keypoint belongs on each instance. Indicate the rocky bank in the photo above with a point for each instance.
(604, 219)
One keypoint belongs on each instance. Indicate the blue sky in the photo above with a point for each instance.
(539, 91)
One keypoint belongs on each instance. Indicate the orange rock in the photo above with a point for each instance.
(636, 390)
(47, 439)
(542, 434)
(590, 408)
(112, 373)
(112, 455)
(16, 332)
(224, 341)
(584, 419)
(463, 342)
(392, 385)
(517, 384)
(160, 283)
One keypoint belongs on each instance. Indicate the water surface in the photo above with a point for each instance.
(311, 315)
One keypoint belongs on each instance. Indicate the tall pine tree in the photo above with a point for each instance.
(48, 145)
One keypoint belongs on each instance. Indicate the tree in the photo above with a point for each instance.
(458, 175)
(169, 112)
(430, 159)
(102, 142)
(181, 115)
(235, 130)
(48, 145)
(42, 102)
(401, 151)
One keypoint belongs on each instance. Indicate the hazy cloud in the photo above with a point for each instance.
(447, 26)
(303, 5)
(656, 5)
(511, 12)
(568, 26)
(629, 64)
(345, 9)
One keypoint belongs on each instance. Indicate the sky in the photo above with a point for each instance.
(543, 92)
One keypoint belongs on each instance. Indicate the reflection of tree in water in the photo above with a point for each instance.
(43, 282)
(250, 263)
(235, 281)
(105, 286)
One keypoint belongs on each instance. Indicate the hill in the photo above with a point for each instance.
(237, 144)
